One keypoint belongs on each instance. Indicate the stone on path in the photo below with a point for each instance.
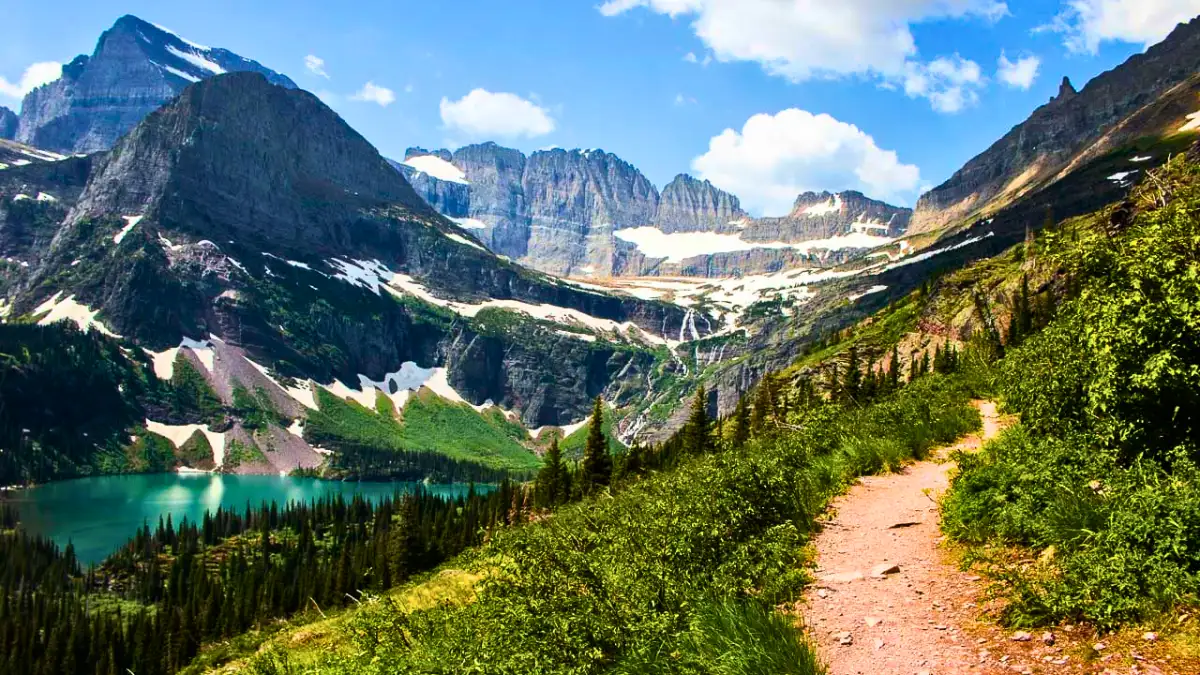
(885, 569)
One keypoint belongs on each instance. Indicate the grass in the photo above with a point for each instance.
(428, 423)
(677, 573)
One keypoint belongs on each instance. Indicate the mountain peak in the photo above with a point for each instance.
(136, 67)
(1066, 89)
(8, 124)
(207, 147)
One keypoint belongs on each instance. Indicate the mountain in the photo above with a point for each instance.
(135, 68)
(8, 124)
(1073, 128)
(246, 227)
(589, 213)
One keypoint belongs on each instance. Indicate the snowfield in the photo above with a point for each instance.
(438, 168)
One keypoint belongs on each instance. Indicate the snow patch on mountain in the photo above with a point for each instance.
(833, 205)
(179, 434)
(58, 309)
(130, 222)
(438, 168)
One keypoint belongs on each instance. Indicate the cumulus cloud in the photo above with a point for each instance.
(1088, 23)
(34, 76)
(950, 83)
(373, 93)
(805, 39)
(775, 157)
(691, 57)
(316, 65)
(482, 114)
(1019, 74)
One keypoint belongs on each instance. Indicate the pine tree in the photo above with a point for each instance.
(597, 463)
(761, 418)
(697, 438)
(741, 424)
(893, 375)
(551, 479)
(852, 384)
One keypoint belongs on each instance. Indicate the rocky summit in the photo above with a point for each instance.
(135, 68)
(249, 217)
(589, 213)
(8, 124)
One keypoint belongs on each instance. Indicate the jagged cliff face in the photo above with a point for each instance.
(135, 68)
(588, 213)
(575, 200)
(252, 213)
(1039, 149)
(8, 124)
(821, 215)
(691, 205)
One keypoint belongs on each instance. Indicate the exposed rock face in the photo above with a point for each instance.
(135, 68)
(1038, 149)
(691, 205)
(576, 199)
(252, 212)
(449, 198)
(558, 210)
(823, 215)
(8, 124)
(497, 195)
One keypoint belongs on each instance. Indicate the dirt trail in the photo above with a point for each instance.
(908, 621)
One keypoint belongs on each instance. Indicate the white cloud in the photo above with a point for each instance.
(950, 83)
(1020, 73)
(482, 114)
(680, 99)
(776, 157)
(691, 57)
(316, 65)
(374, 93)
(34, 76)
(409, 88)
(804, 39)
(1087, 23)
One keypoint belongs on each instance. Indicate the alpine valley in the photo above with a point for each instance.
(601, 424)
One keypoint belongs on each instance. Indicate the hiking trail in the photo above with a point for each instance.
(888, 601)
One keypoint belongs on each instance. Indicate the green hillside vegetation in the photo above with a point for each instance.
(1100, 478)
(429, 423)
(572, 446)
(670, 570)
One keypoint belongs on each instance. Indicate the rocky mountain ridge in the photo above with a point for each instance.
(8, 124)
(135, 68)
(250, 216)
(1073, 127)
(559, 211)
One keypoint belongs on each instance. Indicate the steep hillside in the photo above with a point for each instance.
(1075, 127)
(135, 68)
(246, 222)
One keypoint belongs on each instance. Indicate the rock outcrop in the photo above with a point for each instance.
(558, 211)
(253, 213)
(8, 124)
(824, 215)
(135, 68)
(1038, 150)
(691, 205)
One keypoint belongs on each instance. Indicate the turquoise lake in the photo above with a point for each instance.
(100, 514)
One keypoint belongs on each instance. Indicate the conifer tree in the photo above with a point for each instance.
(697, 438)
(761, 418)
(852, 383)
(741, 424)
(893, 375)
(551, 480)
(597, 462)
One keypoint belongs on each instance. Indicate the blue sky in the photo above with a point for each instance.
(887, 96)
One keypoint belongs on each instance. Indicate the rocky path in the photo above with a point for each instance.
(886, 601)
(889, 601)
